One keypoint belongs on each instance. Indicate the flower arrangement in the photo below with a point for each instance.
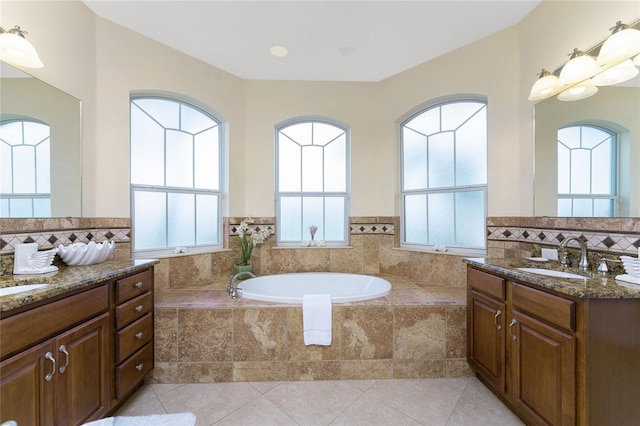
(247, 242)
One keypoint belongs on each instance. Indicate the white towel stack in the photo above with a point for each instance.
(316, 319)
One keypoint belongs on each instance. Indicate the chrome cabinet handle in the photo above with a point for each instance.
(513, 337)
(138, 284)
(139, 367)
(139, 335)
(63, 349)
(50, 357)
(139, 308)
(495, 320)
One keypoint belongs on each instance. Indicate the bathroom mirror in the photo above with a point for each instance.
(616, 108)
(43, 177)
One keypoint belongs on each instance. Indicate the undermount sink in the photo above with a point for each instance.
(552, 273)
(6, 291)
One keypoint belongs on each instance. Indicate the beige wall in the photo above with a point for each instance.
(100, 63)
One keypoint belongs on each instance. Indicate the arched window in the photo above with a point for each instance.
(587, 183)
(176, 173)
(312, 181)
(444, 176)
(25, 183)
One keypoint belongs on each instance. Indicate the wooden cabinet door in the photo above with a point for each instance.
(543, 371)
(26, 386)
(82, 388)
(485, 338)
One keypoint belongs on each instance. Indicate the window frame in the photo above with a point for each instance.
(484, 188)
(346, 195)
(222, 134)
(32, 196)
(614, 171)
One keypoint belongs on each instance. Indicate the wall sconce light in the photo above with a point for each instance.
(610, 62)
(16, 50)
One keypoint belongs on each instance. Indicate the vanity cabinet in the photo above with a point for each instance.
(486, 310)
(133, 332)
(552, 358)
(65, 379)
(521, 344)
(77, 358)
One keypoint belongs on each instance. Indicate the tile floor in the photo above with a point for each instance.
(458, 401)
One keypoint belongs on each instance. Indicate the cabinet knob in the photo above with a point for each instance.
(139, 335)
(50, 357)
(138, 284)
(513, 337)
(139, 308)
(495, 320)
(139, 367)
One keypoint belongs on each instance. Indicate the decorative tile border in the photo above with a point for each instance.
(53, 238)
(354, 228)
(621, 243)
(378, 228)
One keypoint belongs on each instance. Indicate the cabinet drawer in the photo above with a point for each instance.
(21, 330)
(133, 309)
(133, 337)
(486, 283)
(133, 286)
(133, 370)
(548, 307)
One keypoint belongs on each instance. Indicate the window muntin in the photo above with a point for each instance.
(25, 157)
(312, 181)
(587, 184)
(175, 175)
(444, 176)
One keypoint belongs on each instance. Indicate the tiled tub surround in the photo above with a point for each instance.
(415, 332)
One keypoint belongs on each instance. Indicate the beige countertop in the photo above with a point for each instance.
(593, 286)
(67, 279)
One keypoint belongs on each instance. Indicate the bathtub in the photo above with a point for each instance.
(289, 288)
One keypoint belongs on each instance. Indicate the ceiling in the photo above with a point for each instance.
(384, 37)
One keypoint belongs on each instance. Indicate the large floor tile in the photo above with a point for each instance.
(478, 406)
(429, 401)
(369, 411)
(313, 403)
(259, 412)
(210, 402)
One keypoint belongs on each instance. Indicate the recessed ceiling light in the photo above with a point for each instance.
(279, 51)
(347, 51)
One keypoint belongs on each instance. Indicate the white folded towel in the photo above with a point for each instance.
(316, 319)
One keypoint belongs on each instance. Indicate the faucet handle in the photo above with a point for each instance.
(603, 268)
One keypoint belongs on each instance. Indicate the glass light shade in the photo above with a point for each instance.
(544, 87)
(618, 46)
(617, 74)
(17, 50)
(636, 61)
(581, 91)
(578, 69)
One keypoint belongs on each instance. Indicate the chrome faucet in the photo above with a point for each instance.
(584, 260)
(233, 289)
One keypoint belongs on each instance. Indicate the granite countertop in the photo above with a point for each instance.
(593, 286)
(66, 279)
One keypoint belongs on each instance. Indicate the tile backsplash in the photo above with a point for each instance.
(508, 236)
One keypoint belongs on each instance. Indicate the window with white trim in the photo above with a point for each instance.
(25, 157)
(587, 175)
(176, 174)
(444, 176)
(312, 181)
